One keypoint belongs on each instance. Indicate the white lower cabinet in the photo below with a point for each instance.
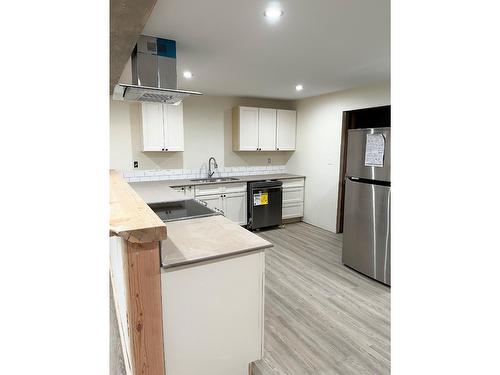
(293, 194)
(292, 210)
(231, 199)
(293, 198)
(213, 201)
(235, 207)
(213, 315)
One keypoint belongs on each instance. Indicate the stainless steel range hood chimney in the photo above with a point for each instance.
(154, 73)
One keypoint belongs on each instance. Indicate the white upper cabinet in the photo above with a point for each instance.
(246, 136)
(152, 127)
(263, 129)
(162, 127)
(286, 129)
(267, 129)
(173, 119)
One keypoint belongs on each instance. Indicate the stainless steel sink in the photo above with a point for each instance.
(222, 179)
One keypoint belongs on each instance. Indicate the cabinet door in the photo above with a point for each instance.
(267, 129)
(286, 128)
(292, 210)
(152, 127)
(235, 207)
(213, 201)
(215, 310)
(209, 189)
(189, 192)
(173, 119)
(249, 128)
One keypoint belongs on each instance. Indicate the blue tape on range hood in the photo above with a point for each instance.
(166, 48)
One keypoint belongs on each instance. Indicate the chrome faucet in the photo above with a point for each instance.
(210, 172)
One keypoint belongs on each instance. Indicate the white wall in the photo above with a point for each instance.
(207, 132)
(319, 128)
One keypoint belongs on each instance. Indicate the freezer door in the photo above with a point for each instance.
(367, 230)
(369, 153)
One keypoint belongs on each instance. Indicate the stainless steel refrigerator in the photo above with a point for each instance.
(367, 203)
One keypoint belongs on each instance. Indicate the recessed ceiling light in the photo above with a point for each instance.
(299, 87)
(188, 74)
(273, 13)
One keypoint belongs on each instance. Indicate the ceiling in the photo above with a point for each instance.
(232, 49)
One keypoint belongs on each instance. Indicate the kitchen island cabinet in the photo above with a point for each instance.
(213, 315)
(212, 285)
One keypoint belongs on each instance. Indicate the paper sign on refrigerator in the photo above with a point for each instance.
(374, 151)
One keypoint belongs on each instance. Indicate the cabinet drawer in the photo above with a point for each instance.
(292, 210)
(295, 182)
(221, 188)
(209, 189)
(235, 187)
(291, 195)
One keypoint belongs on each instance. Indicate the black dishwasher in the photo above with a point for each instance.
(264, 204)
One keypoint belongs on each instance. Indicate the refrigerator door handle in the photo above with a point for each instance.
(387, 238)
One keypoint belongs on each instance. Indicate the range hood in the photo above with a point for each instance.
(154, 74)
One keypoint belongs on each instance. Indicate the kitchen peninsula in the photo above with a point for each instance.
(206, 282)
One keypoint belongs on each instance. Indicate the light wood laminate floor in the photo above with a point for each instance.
(320, 316)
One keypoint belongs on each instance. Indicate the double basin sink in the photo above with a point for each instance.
(222, 179)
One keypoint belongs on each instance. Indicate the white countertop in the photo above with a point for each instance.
(197, 240)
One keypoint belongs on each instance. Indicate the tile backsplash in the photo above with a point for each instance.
(181, 174)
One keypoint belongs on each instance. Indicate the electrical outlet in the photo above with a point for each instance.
(136, 164)
(268, 160)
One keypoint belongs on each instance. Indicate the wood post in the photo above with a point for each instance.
(145, 308)
(141, 231)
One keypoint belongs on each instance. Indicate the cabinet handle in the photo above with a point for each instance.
(163, 149)
(166, 149)
(277, 148)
